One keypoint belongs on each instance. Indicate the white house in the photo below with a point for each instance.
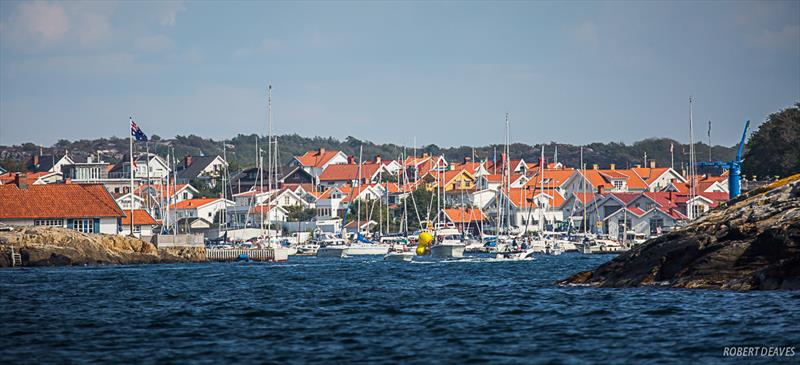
(143, 224)
(314, 162)
(206, 208)
(87, 208)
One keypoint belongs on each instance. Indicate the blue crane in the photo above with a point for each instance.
(734, 167)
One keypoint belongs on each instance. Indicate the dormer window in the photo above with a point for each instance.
(618, 184)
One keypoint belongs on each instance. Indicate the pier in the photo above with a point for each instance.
(265, 254)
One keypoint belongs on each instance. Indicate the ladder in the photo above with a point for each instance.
(16, 258)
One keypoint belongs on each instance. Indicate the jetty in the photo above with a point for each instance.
(263, 254)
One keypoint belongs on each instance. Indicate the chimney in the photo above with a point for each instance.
(18, 180)
(351, 160)
(600, 189)
(467, 159)
(425, 154)
(377, 158)
(187, 161)
(36, 160)
(68, 181)
(595, 167)
(612, 166)
(653, 164)
(321, 151)
(637, 166)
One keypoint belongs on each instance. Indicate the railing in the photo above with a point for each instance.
(222, 254)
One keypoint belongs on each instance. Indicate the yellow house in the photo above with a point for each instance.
(450, 180)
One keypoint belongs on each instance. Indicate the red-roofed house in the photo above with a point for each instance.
(657, 178)
(88, 208)
(143, 223)
(348, 174)
(646, 213)
(314, 162)
(529, 208)
(465, 219)
(205, 208)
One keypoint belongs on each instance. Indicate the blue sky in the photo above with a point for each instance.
(445, 73)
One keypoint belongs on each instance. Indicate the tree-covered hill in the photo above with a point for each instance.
(774, 149)
(241, 150)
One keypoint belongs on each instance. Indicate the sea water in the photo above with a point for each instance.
(363, 310)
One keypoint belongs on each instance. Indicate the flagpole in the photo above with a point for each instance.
(130, 139)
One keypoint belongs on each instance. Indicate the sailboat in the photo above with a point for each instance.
(359, 245)
(265, 239)
(507, 246)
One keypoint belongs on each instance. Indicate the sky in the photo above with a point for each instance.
(440, 73)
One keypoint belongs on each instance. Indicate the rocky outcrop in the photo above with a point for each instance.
(49, 246)
(750, 243)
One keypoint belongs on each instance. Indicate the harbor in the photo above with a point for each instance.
(401, 182)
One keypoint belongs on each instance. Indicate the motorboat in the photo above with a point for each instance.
(329, 245)
(307, 249)
(447, 244)
(338, 251)
(398, 253)
(526, 254)
(363, 248)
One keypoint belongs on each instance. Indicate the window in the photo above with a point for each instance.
(655, 225)
(49, 222)
(83, 225)
(618, 184)
(185, 195)
(286, 200)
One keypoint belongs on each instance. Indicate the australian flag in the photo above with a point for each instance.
(137, 133)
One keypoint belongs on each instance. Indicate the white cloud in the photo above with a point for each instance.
(40, 22)
(154, 43)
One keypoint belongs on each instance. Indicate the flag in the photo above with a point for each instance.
(671, 147)
(709, 129)
(137, 133)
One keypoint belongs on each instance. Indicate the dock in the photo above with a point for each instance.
(264, 254)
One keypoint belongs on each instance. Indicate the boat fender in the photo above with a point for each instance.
(424, 240)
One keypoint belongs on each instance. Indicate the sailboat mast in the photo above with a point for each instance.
(354, 193)
(269, 157)
(692, 191)
(583, 190)
(542, 165)
(260, 185)
(507, 175)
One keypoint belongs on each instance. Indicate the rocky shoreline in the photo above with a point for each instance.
(50, 246)
(750, 243)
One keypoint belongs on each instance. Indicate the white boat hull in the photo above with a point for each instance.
(333, 251)
(516, 255)
(281, 254)
(367, 249)
(449, 250)
(399, 256)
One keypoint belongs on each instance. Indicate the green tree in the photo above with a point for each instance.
(296, 213)
(774, 148)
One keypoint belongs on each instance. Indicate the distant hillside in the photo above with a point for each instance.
(241, 150)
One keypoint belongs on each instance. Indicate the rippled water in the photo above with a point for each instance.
(364, 310)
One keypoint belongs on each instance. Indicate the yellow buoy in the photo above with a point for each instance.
(424, 240)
